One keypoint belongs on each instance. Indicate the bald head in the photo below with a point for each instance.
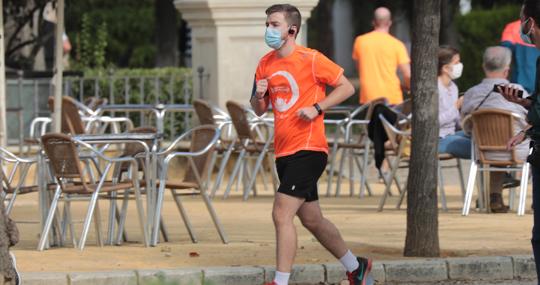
(382, 17)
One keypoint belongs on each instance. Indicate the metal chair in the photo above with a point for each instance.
(211, 115)
(491, 130)
(14, 171)
(398, 137)
(354, 145)
(203, 141)
(63, 155)
(248, 143)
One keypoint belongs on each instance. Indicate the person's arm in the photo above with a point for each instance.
(405, 70)
(259, 98)
(343, 90)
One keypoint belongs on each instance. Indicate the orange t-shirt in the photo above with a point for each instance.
(378, 56)
(296, 81)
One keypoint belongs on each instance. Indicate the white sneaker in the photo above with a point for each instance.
(14, 262)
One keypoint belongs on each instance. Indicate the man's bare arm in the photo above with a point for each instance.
(405, 70)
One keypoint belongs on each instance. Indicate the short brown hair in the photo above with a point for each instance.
(445, 55)
(292, 14)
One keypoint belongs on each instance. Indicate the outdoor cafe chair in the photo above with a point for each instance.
(491, 130)
(63, 153)
(249, 143)
(203, 140)
(352, 146)
(212, 115)
(14, 171)
(399, 136)
(97, 123)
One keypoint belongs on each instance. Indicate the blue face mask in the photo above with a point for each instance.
(526, 37)
(272, 37)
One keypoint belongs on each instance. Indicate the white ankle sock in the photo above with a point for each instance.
(282, 278)
(349, 261)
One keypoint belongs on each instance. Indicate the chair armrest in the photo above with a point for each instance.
(214, 140)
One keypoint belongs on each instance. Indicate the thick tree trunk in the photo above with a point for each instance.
(166, 33)
(422, 212)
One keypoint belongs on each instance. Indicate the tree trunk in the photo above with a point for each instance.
(422, 212)
(166, 33)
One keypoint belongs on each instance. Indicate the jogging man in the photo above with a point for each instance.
(293, 79)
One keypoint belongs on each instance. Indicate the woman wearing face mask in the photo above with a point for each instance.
(451, 141)
(530, 33)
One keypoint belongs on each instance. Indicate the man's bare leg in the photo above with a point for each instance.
(283, 213)
(325, 231)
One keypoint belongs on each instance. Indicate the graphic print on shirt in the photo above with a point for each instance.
(285, 90)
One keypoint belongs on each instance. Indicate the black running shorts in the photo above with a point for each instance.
(298, 173)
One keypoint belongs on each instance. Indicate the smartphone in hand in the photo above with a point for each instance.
(496, 89)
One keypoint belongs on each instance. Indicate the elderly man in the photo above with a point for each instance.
(496, 65)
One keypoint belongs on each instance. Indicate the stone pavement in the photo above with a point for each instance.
(451, 271)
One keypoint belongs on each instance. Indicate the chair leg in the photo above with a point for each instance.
(364, 184)
(70, 221)
(122, 218)
(215, 218)
(340, 172)
(393, 169)
(363, 172)
(111, 222)
(88, 220)
(351, 172)
(333, 156)
(258, 165)
(221, 171)
(48, 221)
(140, 213)
(523, 189)
(470, 189)
(461, 179)
(154, 238)
(234, 173)
(402, 197)
(97, 223)
(441, 188)
(185, 217)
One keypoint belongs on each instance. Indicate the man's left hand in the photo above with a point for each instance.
(307, 113)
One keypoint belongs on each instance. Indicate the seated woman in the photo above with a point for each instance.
(451, 141)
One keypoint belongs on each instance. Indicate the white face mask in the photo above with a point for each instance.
(456, 71)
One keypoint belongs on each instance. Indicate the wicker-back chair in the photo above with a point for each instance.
(63, 155)
(491, 131)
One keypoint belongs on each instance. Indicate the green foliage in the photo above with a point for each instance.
(129, 29)
(478, 30)
(92, 45)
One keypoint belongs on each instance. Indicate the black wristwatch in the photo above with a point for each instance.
(318, 108)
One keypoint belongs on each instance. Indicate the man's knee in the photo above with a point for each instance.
(311, 223)
(281, 218)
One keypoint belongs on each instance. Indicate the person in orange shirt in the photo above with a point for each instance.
(293, 79)
(378, 56)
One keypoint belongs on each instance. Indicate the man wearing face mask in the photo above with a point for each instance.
(293, 79)
(530, 33)
(496, 65)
